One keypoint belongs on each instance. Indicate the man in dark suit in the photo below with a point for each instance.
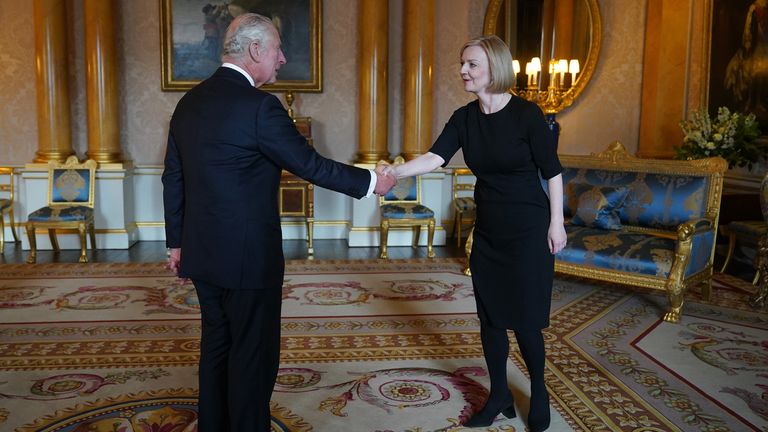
(227, 144)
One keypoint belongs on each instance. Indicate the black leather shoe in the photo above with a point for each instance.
(538, 416)
(488, 413)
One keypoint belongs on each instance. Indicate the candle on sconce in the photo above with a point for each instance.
(552, 73)
(516, 70)
(528, 72)
(563, 66)
(536, 69)
(573, 69)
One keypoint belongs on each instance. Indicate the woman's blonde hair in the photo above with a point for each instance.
(499, 62)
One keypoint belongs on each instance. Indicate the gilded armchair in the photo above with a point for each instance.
(748, 232)
(6, 205)
(70, 205)
(463, 202)
(401, 207)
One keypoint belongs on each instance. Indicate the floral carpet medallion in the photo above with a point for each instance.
(171, 410)
(378, 346)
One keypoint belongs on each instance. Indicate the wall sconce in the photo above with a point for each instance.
(558, 93)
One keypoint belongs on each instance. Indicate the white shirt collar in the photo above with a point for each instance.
(241, 70)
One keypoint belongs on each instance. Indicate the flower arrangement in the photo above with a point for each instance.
(730, 136)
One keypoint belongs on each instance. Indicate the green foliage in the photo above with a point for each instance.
(730, 136)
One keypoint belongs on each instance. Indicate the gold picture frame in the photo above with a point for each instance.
(191, 33)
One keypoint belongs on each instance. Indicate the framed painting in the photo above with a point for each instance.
(192, 33)
(738, 61)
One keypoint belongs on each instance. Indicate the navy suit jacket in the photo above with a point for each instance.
(227, 145)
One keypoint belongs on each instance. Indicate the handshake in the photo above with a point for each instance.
(386, 178)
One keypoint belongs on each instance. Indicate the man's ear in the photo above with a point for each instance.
(253, 50)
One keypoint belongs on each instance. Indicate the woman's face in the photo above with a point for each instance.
(475, 70)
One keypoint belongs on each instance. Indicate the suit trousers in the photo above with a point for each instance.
(239, 357)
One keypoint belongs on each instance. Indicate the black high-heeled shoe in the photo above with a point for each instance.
(538, 415)
(488, 413)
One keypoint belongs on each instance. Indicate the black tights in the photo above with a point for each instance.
(496, 351)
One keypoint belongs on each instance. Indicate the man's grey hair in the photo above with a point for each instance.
(245, 29)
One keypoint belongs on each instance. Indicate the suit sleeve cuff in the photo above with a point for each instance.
(372, 185)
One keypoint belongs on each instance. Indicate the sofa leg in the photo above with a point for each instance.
(706, 289)
(675, 295)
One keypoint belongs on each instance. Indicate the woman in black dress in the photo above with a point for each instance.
(519, 228)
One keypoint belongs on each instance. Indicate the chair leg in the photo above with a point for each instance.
(456, 228)
(731, 248)
(459, 229)
(54, 240)
(416, 234)
(13, 225)
(32, 258)
(430, 236)
(81, 231)
(761, 264)
(383, 239)
(468, 250)
(2, 234)
(706, 289)
(92, 231)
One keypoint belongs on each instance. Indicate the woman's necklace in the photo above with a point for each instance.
(495, 103)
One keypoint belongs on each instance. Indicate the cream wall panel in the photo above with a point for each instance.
(18, 115)
(609, 108)
(456, 21)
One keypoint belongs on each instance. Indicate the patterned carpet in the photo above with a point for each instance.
(373, 346)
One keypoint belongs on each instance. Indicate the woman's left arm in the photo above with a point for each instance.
(556, 236)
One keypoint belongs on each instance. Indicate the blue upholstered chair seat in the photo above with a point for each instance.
(61, 214)
(4, 203)
(464, 203)
(751, 229)
(618, 250)
(406, 211)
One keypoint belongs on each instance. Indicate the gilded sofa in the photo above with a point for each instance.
(664, 228)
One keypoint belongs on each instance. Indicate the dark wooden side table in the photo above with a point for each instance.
(296, 197)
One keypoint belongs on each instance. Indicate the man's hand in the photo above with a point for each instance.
(174, 260)
(384, 181)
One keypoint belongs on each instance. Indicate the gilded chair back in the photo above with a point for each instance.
(6, 204)
(71, 182)
(460, 189)
(6, 182)
(407, 189)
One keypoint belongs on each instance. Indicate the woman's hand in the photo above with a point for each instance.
(556, 237)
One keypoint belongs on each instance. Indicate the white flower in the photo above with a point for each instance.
(710, 145)
(717, 137)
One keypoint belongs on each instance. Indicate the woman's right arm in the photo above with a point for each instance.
(421, 165)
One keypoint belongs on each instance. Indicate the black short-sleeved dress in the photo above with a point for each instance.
(512, 268)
